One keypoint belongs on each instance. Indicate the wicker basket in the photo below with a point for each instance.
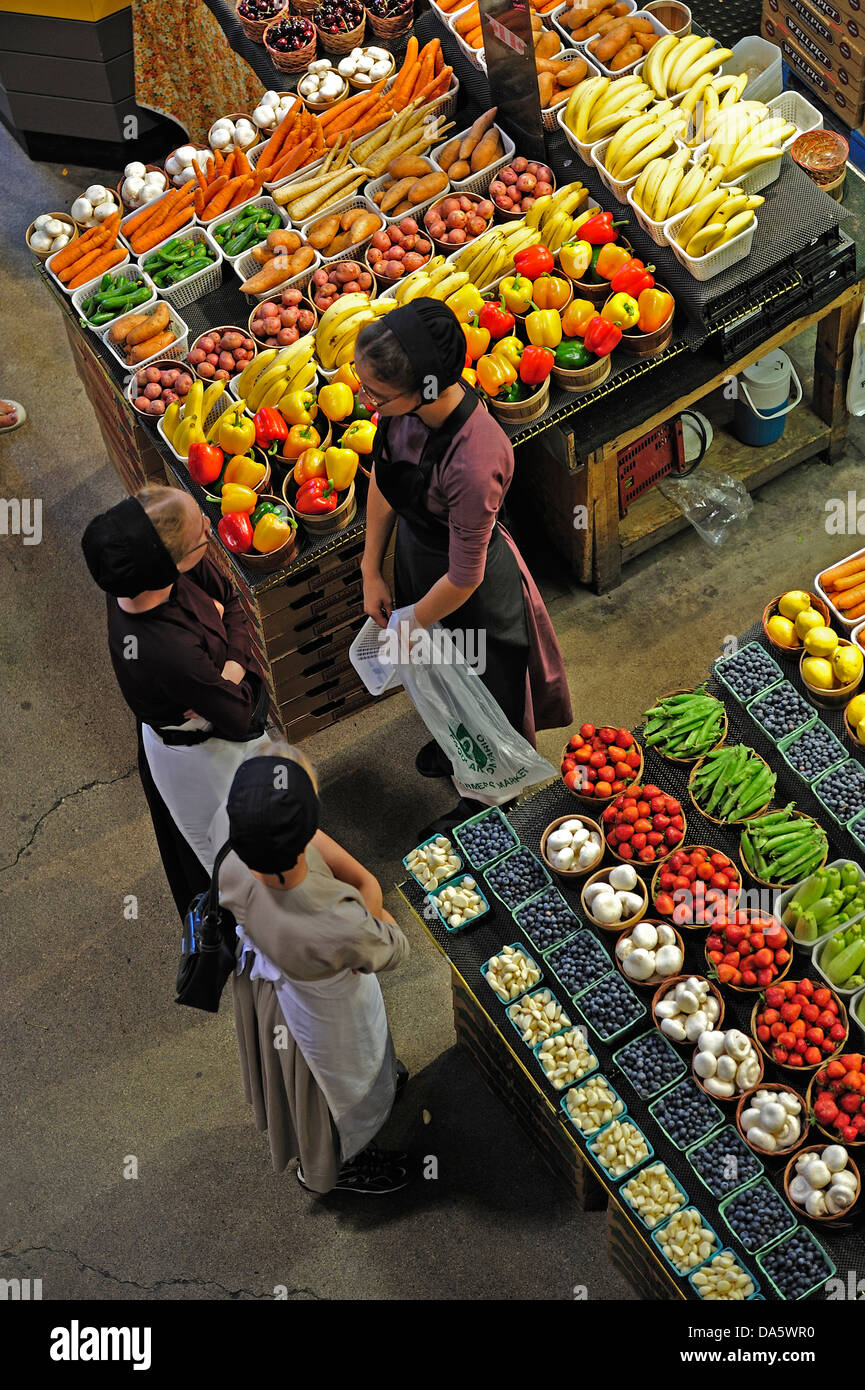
(136, 207)
(737, 1096)
(254, 29)
(752, 989)
(342, 43)
(764, 883)
(261, 342)
(312, 105)
(661, 859)
(771, 611)
(832, 1138)
(223, 328)
(570, 875)
(626, 922)
(790, 1173)
(521, 412)
(583, 378)
(668, 757)
(391, 28)
(813, 1067)
(298, 61)
(714, 819)
(654, 982)
(266, 564)
(304, 7)
(365, 86)
(667, 986)
(745, 1100)
(69, 222)
(605, 800)
(654, 888)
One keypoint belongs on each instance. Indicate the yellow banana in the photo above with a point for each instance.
(707, 63)
(690, 49)
(701, 240)
(653, 67)
(580, 104)
(700, 214)
(659, 145)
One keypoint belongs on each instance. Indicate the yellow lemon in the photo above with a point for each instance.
(791, 604)
(818, 672)
(782, 630)
(808, 618)
(856, 710)
(820, 641)
(847, 664)
(860, 734)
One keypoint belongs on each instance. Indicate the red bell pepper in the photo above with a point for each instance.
(600, 229)
(497, 320)
(536, 364)
(601, 336)
(633, 278)
(533, 261)
(270, 429)
(235, 532)
(205, 463)
(316, 496)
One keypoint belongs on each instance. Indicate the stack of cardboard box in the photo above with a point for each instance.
(823, 43)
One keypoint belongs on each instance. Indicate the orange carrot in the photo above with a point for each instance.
(857, 612)
(850, 599)
(828, 577)
(221, 200)
(244, 191)
(97, 247)
(198, 201)
(436, 87)
(98, 267)
(241, 163)
(151, 214)
(850, 581)
(165, 213)
(152, 238)
(70, 253)
(407, 68)
(218, 161)
(275, 142)
(294, 160)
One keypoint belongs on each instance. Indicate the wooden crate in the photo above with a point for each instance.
(636, 1259)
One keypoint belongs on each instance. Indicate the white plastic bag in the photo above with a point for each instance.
(491, 761)
(856, 379)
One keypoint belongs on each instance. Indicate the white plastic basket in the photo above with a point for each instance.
(792, 107)
(479, 182)
(705, 267)
(567, 35)
(304, 173)
(447, 15)
(129, 216)
(126, 272)
(225, 400)
(618, 187)
(246, 265)
(175, 352)
(549, 114)
(583, 150)
(637, 65)
(203, 281)
(319, 371)
(845, 623)
(473, 55)
(419, 209)
(121, 265)
(753, 51)
(356, 250)
(653, 229)
(366, 658)
(226, 218)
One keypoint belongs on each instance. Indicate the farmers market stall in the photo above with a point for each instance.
(251, 265)
(674, 1136)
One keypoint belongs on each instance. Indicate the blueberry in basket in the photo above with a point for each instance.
(517, 877)
(796, 1265)
(724, 1162)
(486, 839)
(610, 1006)
(843, 790)
(580, 962)
(814, 751)
(686, 1114)
(782, 710)
(291, 34)
(547, 919)
(649, 1063)
(748, 672)
(758, 1215)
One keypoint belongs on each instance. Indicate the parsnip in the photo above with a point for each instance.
(335, 187)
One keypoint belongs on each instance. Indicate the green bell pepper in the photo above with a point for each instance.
(572, 354)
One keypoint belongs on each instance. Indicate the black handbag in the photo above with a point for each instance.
(208, 947)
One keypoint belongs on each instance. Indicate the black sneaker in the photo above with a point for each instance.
(372, 1173)
(445, 823)
(401, 1078)
(432, 762)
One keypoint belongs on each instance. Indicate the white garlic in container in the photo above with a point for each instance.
(511, 973)
(538, 1016)
(434, 862)
(593, 1105)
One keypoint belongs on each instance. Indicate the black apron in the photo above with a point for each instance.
(497, 606)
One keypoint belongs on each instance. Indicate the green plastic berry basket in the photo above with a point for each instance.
(550, 888)
(790, 739)
(734, 1197)
(518, 946)
(664, 1096)
(744, 1268)
(720, 667)
(742, 1146)
(652, 1033)
(620, 1119)
(791, 733)
(489, 814)
(453, 883)
(494, 867)
(822, 778)
(423, 845)
(831, 1267)
(569, 1085)
(566, 1024)
(707, 1226)
(658, 1224)
(576, 994)
(572, 1090)
(619, 1032)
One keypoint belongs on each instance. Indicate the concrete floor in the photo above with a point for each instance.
(100, 1068)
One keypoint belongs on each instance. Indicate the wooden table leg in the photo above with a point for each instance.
(602, 500)
(832, 357)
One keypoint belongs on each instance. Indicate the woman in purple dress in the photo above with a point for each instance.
(442, 468)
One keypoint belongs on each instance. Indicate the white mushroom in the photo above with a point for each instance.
(644, 934)
(623, 876)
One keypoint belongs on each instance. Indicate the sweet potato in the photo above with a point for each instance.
(631, 53)
(546, 87)
(427, 187)
(548, 44)
(396, 192)
(364, 225)
(641, 26)
(153, 325)
(149, 347)
(278, 269)
(450, 153)
(646, 41)
(283, 240)
(582, 13)
(477, 132)
(407, 166)
(486, 151)
(460, 169)
(322, 233)
(605, 49)
(569, 74)
(118, 331)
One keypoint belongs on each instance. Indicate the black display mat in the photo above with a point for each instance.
(467, 950)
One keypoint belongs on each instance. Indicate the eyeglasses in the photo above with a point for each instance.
(374, 400)
(205, 537)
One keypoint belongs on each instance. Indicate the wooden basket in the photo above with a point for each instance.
(74, 233)
(832, 1138)
(583, 378)
(654, 888)
(605, 800)
(254, 29)
(262, 342)
(266, 564)
(771, 611)
(365, 86)
(570, 875)
(831, 699)
(668, 757)
(342, 43)
(764, 882)
(304, 7)
(654, 981)
(761, 810)
(753, 989)
(672, 850)
(330, 521)
(226, 328)
(727, 1100)
(665, 988)
(136, 207)
(392, 28)
(744, 1102)
(637, 344)
(597, 293)
(626, 922)
(849, 730)
(298, 61)
(236, 116)
(313, 105)
(521, 412)
(790, 1173)
(813, 1067)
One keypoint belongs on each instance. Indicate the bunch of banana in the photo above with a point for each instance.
(274, 373)
(716, 94)
(340, 324)
(716, 219)
(488, 258)
(642, 139)
(599, 106)
(742, 140)
(553, 217)
(676, 65)
(669, 186)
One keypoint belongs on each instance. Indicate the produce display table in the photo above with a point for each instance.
(514, 1075)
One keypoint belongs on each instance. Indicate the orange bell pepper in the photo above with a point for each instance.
(577, 316)
(551, 292)
(310, 464)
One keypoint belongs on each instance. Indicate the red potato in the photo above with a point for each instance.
(526, 183)
(151, 375)
(142, 403)
(206, 369)
(169, 397)
(197, 355)
(268, 308)
(380, 239)
(374, 255)
(508, 175)
(475, 225)
(520, 165)
(305, 320)
(393, 269)
(542, 189)
(456, 219)
(184, 383)
(153, 391)
(286, 336)
(157, 407)
(409, 227)
(413, 261)
(288, 317)
(291, 297)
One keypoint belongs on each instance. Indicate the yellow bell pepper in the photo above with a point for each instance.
(242, 469)
(622, 310)
(298, 407)
(336, 401)
(465, 302)
(516, 291)
(348, 374)
(359, 436)
(235, 432)
(495, 373)
(341, 465)
(236, 497)
(470, 375)
(575, 257)
(544, 328)
(271, 532)
(511, 348)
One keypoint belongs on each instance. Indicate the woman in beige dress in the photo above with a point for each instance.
(315, 1049)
